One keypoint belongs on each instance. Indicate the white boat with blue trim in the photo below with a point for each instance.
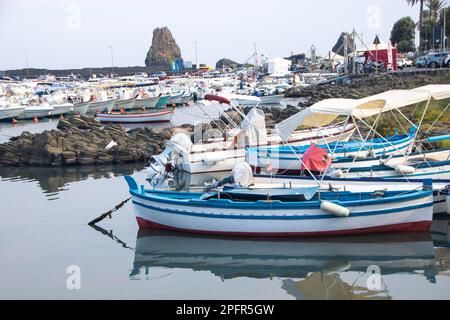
(283, 211)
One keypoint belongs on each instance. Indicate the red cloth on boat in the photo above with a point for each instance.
(315, 159)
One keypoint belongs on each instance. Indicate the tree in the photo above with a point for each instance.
(403, 34)
(413, 3)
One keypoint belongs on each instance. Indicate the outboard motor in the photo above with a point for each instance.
(169, 159)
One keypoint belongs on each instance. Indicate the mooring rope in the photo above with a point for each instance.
(109, 213)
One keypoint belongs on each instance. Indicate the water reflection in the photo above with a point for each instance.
(52, 181)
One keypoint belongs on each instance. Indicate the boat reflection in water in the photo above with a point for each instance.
(55, 180)
(307, 268)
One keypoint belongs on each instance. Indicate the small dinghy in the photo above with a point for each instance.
(283, 212)
(153, 117)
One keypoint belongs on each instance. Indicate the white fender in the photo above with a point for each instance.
(335, 209)
(405, 169)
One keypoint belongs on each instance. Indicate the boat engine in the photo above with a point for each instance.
(171, 158)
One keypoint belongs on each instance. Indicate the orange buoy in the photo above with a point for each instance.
(36, 120)
(14, 121)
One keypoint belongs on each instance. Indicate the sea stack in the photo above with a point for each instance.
(164, 49)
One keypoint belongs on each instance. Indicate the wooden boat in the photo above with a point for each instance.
(124, 104)
(163, 101)
(287, 159)
(283, 212)
(274, 100)
(101, 106)
(217, 155)
(146, 103)
(441, 199)
(81, 108)
(152, 117)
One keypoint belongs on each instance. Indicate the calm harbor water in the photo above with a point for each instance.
(44, 231)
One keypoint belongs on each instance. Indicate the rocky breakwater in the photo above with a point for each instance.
(83, 141)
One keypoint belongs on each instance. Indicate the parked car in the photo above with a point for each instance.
(161, 75)
(447, 61)
(404, 63)
(421, 62)
(436, 60)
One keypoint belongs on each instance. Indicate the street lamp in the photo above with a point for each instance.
(26, 61)
(112, 60)
(196, 54)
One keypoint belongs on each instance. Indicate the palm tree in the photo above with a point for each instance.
(413, 3)
(435, 6)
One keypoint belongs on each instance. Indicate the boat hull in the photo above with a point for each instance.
(148, 103)
(206, 160)
(10, 113)
(157, 117)
(81, 108)
(276, 100)
(101, 106)
(126, 104)
(35, 112)
(411, 213)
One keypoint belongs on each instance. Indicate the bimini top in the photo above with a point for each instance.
(437, 91)
(326, 111)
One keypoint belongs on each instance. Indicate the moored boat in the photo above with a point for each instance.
(10, 112)
(147, 117)
(283, 211)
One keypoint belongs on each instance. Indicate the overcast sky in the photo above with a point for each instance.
(77, 33)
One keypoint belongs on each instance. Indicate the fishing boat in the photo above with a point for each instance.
(243, 100)
(273, 100)
(390, 160)
(81, 108)
(219, 155)
(10, 112)
(31, 112)
(144, 101)
(101, 106)
(283, 211)
(441, 187)
(125, 104)
(61, 109)
(144, 117)
(163, 101)
(286, 158)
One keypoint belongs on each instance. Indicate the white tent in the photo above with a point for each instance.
(381, 46)
(278, 66)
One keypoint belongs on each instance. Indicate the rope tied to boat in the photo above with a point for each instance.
(109, 213)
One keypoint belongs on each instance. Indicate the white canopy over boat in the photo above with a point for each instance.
(326, 111)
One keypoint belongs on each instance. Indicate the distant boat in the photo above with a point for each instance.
(146, 103)
(32, 112)
(10, 112)
(81, 108)
(153, 117)
(101, 106)
(275, 100)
